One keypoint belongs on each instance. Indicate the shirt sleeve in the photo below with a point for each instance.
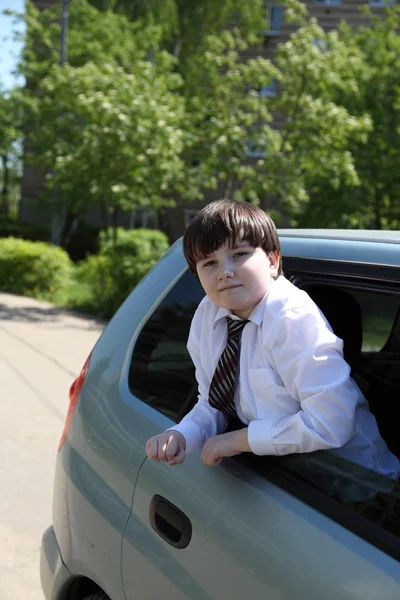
(308, 357)
(203, 421)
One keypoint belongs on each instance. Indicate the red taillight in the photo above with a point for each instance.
(73, 399)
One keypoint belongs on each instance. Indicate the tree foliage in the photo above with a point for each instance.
(186, 24)
(11, 119)
(159, 101)
(107, 134)
(375, 202)
(107, 126)
(300, 135)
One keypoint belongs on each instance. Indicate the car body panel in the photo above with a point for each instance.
(365, 252)
(54, 575)
(249, 538)
(98, 464)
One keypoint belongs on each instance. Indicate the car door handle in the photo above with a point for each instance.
(170, 522)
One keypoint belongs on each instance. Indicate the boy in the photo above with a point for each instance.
(265, 354)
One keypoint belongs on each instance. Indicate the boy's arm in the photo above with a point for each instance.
(203, 421)
(309, 359)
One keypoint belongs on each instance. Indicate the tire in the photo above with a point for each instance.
(97, 596)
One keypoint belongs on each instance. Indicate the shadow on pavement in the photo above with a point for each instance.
(32, 314)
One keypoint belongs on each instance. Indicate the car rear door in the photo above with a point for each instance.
(236, 529)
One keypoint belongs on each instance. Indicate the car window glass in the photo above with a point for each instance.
(369, 494)
(376, 369)
(378, 315)
(161, 372)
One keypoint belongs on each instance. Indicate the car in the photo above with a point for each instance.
(301, 526)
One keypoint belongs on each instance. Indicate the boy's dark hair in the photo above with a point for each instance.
(229, 220)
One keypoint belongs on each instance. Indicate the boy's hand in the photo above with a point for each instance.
(225, 444)
(167, 447)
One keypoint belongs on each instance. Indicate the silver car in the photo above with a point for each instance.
(298, 527)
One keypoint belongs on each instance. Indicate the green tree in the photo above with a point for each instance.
(93, 36)
(302, 136)
(185, 24)
(375, 202)
(10, 147)
(108, 136)
(119, 125)
(106, 127)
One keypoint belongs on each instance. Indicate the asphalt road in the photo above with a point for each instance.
(42, 350)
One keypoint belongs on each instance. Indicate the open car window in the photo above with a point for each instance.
(369, 324)
(379, 316)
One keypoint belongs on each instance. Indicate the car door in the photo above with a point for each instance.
(237, 529)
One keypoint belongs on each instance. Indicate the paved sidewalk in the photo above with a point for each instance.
(42, 350)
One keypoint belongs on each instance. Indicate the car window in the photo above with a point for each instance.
(375, 367)
(363, 491)
(161, 372)
(379, 312)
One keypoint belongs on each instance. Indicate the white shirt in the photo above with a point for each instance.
(294, 389)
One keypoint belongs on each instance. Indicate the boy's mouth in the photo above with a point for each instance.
(230, 287)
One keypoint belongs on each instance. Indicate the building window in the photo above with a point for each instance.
(382, 3)
(326, 2)
(143, 218)
(268, 91)
(322, 45)
(265, 91)
(189, 214)
(273, 20)
(254, 151)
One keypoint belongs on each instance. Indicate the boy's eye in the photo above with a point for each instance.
(239, 254)
(209, 263)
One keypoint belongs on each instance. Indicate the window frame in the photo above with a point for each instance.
(273, 21)
(364, 278)
(376, 274)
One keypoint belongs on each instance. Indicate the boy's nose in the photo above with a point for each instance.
(226, 271)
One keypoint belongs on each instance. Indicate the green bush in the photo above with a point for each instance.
(34, 269)
(26, 231)
(119, 266)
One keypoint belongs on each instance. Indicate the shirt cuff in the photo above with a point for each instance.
(259, 436)
(192, 434)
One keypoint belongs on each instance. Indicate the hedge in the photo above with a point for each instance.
(119, 266)
(34, 269)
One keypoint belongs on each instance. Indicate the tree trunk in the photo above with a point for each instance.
(67, 228)
(5, 206)
(377, 213)
(104, 215)
(177, 47)
(228, 187)
(114, 224)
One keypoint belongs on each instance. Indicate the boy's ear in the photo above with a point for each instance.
(274, 258)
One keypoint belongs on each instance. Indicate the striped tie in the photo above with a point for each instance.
(222, 388)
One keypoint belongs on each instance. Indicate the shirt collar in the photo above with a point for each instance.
(256, 316)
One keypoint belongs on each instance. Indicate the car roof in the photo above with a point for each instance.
(349, 245)
(365, 235)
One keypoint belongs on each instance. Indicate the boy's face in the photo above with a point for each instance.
(237, 278)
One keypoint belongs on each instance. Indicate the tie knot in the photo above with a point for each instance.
(235, 327)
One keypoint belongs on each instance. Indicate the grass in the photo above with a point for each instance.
(80, 298)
